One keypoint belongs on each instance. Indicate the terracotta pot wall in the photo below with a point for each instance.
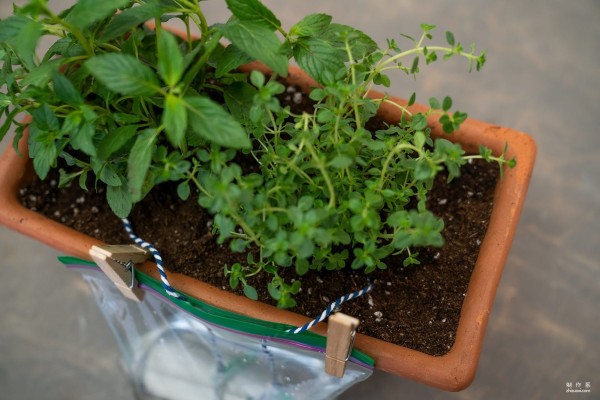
(453, 371)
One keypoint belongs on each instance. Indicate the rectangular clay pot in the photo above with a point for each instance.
(453, 371)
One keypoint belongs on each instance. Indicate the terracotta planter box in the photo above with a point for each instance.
(455, 370)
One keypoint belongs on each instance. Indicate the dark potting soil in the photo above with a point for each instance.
(417, 307)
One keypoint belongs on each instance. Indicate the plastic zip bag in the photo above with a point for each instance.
(176, 350)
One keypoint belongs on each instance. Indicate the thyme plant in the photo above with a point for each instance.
(132, 105)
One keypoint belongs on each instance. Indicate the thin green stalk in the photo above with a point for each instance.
(394, 104)
(420, 49)
(271, 209)
(110, 47)
(323, 170)
(211, 45)
(353, 75)
(200, 21)
(399, 147)
(246, 228)
(188, 33)
(200, 187)
(71, 28)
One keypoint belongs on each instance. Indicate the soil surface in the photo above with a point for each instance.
(417, 307)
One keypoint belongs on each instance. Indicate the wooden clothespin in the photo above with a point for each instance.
(341, 330)
(117, 262)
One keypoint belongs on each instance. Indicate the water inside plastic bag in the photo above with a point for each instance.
(172, 354)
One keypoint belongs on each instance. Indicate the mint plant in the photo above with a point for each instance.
(129, 107)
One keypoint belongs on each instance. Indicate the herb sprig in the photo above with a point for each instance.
(133, 107)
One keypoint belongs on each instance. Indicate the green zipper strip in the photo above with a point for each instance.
(228, 319)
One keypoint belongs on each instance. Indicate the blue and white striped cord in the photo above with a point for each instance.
(171, 292)
(159, 262)
(331, 308)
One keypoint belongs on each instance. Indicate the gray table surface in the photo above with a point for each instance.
(542, 77)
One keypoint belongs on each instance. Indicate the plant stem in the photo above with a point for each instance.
(326, 177)
(394, 104)
(399, 147)
(353, 75)
(429, 48)
(210, 46)
(199, 186)
(251, 234)
(76, 32)
(200, 21)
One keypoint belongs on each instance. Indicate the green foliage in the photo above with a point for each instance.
(123, 74)
(134, 107)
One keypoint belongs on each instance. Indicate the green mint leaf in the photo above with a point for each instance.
(42, 150)
(318, 58)
(115, 140)
(229, 59)
(27, 41)
(258, 42)
(119, 200)
(139, 162)
(83, 180)
(211, 122)
(106, 173)
(170, 60)
(82, 139)
(255, 11)
(86, 12)
(12, 26)
(22, 35)
(41, 75)
(124, 118)
(361, 43)
(45, 119)
(65, 47)
(65, 90)
(239, 99)
(175, 120)
(123, 74)
(44, 159)
(129, 19)
(311, 25)
(64, 179)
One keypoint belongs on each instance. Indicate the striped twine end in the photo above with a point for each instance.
(331, 308)
(157, 258)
